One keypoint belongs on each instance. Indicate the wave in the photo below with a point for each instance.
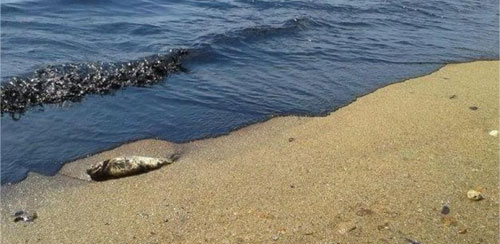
(253, 33)
(71, 82)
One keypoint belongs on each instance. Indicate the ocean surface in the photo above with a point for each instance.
(246, 61)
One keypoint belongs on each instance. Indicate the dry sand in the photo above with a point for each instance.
(376, 171)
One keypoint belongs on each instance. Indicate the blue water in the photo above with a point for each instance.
(249, 60)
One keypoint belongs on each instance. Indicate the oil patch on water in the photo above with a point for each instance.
(71, 82)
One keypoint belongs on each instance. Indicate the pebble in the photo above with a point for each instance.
(494, 133)
(445, 210)
(473, 108)
(462, 231)
(474, 195)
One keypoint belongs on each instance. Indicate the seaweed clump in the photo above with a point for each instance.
(71, 82)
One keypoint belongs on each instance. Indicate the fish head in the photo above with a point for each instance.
(97, 171)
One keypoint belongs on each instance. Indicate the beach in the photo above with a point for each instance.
(379, 170)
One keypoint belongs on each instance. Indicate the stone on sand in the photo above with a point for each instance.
(474, 195)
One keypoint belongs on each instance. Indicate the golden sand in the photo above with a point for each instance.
(379, 170)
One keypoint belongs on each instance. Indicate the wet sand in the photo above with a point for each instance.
(379, 170)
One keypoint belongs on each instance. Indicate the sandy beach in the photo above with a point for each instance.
(394, 166)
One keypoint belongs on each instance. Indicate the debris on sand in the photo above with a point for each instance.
(411, 241)
(24, 216)
(493, 133)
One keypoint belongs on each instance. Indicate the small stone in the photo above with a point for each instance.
(445, 210)
(462, 231)
(291, 139)
(474, 195)
(473, 108)
(494, 133)
(453, 96)
(276, 237)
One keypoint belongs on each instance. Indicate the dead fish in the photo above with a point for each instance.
(127, 166)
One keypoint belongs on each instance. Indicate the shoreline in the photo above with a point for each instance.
(270, 117)
(212, 182)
